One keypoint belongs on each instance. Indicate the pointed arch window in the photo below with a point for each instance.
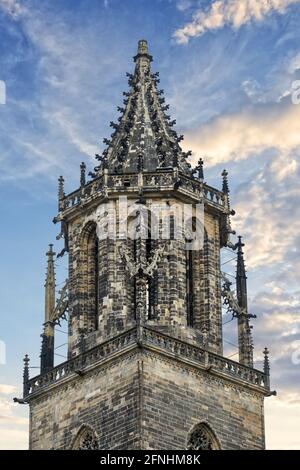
(90, 267)
(189, 288)
(86, 439)
(190, 228)
(202, 438)
(151, 284)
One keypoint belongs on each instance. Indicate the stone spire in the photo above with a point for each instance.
(267, 366)
(198, 170)
(26, 375)
(82, 174)
(61, 191)
(143, 128)
(47, 352)
(225, 186)
(244, 329)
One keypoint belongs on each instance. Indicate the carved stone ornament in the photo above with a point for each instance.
(141, 266)
(202, 438)
(86, 440)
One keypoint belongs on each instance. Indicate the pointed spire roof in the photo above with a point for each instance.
(144, 130)
(225, 186)
(241, 271)
(241, 277)
(50, 274)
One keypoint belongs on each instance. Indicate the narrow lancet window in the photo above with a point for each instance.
(189, 287)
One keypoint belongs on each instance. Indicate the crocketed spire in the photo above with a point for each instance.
(144, 131)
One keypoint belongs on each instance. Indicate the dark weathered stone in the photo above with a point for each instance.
(145, 366)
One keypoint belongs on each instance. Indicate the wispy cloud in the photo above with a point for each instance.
(234, 137)
(70, 97)
(65, 70)
(234, 13)
(6, 389)
(12, 7)
(183, 5)
(267, 198)
(13, 424)
(294, 64)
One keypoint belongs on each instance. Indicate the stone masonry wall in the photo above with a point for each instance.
(107, 400)
(116, 292)
(177, 397)
(144, 400)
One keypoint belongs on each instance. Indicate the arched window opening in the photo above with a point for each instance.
(151, 283)
(202, 438)
(86, 439)
(191, 227)
(205, 291)
(96, 298)
(93, 277)
(172, 227)
(189, 288)
(90, 267)
(194, 238)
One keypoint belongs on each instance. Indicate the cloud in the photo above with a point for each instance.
(234, 13)
(13, 439)
(294, 64)
(268, 213)
(13, 420)
(61, 111)
(254, 91)
(261, 145)
(7, 389)
(234, 137)
(183, 5)
(282, 423)
(12, 7)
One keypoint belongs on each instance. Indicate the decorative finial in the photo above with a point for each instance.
(142, 47)
(240, 271)
(82, 174)
(199, 169)
(50, 275)
(61, 191)
(50, 253)
(26, 375)
(26, 361)
(266, 361)
(225, 187)
(240, 245)
(143, 51)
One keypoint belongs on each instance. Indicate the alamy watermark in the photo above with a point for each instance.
(158, 220)
(2, 92)
(2, 353)
(295, 95)
(296, 354)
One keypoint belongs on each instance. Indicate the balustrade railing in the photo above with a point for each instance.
(123, 182)
(84, 360)
(154, 338)
(207, 358)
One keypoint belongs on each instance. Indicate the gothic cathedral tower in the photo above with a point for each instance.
(143, 300)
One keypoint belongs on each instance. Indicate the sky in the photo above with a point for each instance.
(228, 69)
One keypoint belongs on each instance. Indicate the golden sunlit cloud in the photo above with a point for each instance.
(234, 13)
